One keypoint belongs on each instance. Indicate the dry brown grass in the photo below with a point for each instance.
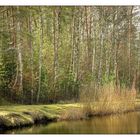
(105, 100)
(72, 114)
(114, 100)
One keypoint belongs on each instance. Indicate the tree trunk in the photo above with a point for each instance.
(56, 14)
(101, 37)
(40, 57)
(130, 10)
(19, 50)
(31, 57)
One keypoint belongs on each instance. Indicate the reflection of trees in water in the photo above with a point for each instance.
(128, 123)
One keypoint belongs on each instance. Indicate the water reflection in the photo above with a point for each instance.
(115, 124)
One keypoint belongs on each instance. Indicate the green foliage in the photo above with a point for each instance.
(80, 46)
(108, 79)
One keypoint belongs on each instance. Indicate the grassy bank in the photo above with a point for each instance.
(20, 116)
(106, 100)
(24, 115)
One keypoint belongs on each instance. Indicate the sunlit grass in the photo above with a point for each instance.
(107, 100)
(22, 115)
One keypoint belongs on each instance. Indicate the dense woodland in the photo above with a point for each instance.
(49, 54)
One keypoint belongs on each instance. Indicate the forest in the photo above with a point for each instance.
(53, 54)
(61, 64)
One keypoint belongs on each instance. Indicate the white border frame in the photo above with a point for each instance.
(69, 2)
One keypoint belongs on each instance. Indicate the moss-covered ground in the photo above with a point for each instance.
(23, 115)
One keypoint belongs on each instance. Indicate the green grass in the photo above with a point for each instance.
(22, 115)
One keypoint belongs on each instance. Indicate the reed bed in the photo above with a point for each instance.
(105, 100)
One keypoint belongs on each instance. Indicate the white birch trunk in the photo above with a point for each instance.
(40, 58)
(19, 51)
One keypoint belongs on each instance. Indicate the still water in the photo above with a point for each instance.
(128, 123)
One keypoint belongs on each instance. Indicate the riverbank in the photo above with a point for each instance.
(26, 115)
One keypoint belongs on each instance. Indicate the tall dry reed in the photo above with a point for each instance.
(107, 99)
